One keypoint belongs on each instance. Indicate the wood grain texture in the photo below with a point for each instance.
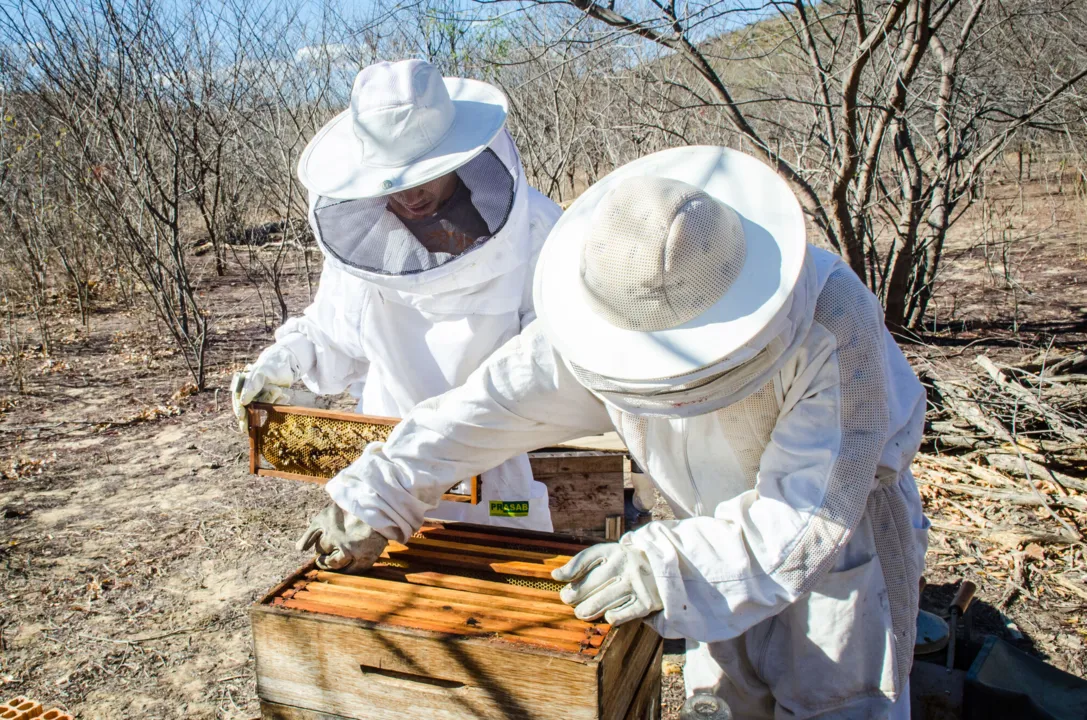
(319, 413)
(584, 487)
(460, 617)
(318, 664)
(622, 673)
(545, 462)
(444, 625)
(583, 501)
(645, 706)
(476, 549)
(457, 582)
(509, 537)
(428, 641)
(466, 594)
(540, 571)
(275, 711)
(647, 701)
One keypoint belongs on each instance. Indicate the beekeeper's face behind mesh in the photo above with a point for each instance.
(660, 253)
(372, 235)
(423, 201)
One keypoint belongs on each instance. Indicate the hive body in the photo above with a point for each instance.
(460, 623)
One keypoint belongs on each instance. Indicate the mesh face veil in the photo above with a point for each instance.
(365, 236)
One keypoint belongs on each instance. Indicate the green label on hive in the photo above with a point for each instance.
(517, 508)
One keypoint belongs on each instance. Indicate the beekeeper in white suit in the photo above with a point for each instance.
(752, 377)
(430, 234)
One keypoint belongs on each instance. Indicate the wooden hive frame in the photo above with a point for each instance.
(264, 416)
(460, 623)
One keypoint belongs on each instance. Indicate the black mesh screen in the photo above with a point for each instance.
(365, 235)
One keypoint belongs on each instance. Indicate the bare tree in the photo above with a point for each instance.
(135, 134)
(112, 75)
(138, 130)
(882, 115)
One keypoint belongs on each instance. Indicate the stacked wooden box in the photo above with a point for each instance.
(459, 623)
(584, 487)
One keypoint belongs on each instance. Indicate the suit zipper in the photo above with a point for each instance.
(690, 475)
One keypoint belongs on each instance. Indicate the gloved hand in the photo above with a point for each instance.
(612, 580)
(342, 541)
(266, 380)
(644, 496)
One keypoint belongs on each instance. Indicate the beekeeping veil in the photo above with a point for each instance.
(407, 126)
(679, 284)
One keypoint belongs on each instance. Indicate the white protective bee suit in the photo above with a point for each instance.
(792, 567)
(398, 333)
(392, 322)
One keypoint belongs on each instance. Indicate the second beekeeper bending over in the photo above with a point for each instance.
(752, 377)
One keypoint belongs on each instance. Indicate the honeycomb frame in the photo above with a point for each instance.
(313, 444)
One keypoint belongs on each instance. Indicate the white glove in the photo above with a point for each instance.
(266, 380)
(644, 496)
(342, 541)
(612, 580)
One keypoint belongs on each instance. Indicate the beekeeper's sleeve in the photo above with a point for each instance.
(327, 337)
(522, 398)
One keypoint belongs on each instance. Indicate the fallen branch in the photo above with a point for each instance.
(1074, 363)
(954, 464)
(1051, 416)
(1075, 503)
(1013, 465)
(1007, 536)
(1076, 587)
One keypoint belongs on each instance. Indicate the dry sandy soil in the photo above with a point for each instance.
(132, 539)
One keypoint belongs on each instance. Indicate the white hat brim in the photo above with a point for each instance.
(774, 233)
(332, 164)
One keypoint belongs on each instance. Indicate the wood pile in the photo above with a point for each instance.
(1003, 473)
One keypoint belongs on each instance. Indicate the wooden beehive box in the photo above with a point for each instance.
(462, 623)
(584, 487)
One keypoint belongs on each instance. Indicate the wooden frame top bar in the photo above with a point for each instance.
(320, 413)
(456, 587)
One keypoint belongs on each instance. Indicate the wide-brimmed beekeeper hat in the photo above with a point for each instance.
(670, 264)
(407, 125)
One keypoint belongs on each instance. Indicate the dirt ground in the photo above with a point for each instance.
(133, 540)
